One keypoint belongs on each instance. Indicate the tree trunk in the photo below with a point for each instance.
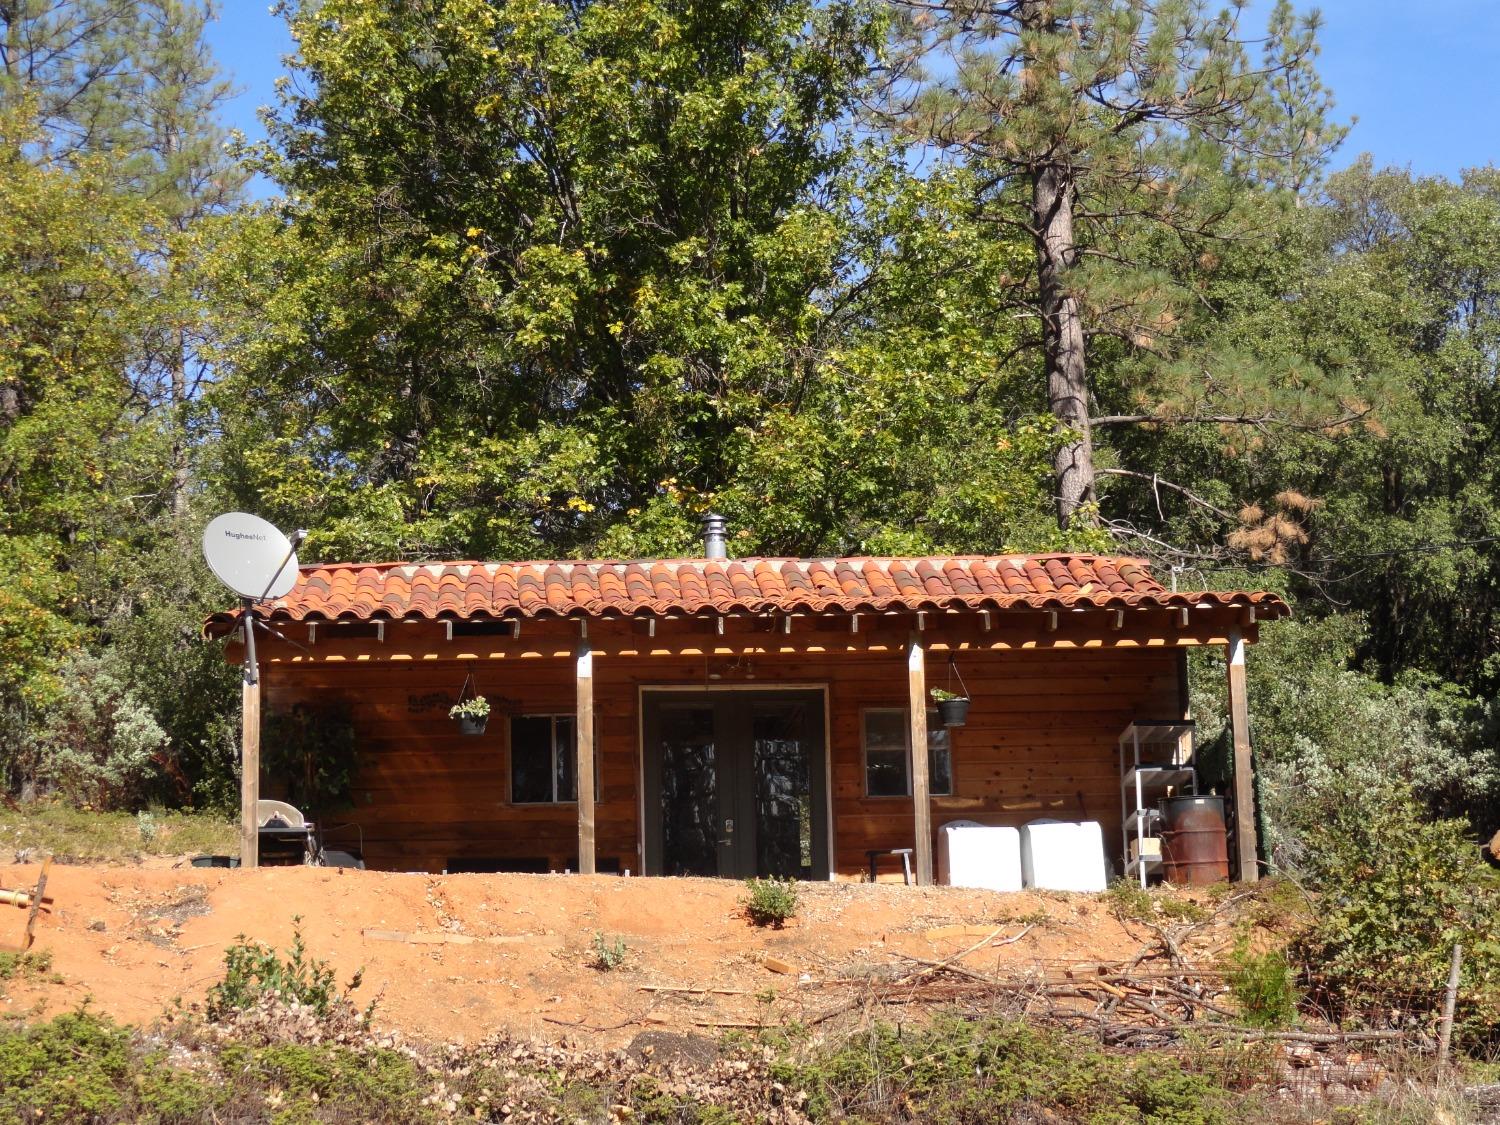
(181, 478)
(1062, 337)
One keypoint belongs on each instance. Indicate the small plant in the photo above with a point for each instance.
(1263, 985)
(471, 715)
(943, 695)
(146, 824)
(474, 709)
(1129, 901)
(253, 971)
(22, 965)
(770, 901)
(609, 953)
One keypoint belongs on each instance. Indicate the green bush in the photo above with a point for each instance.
(1330, 736)
(1396, 891)
(963, 1072)
(770, 901)
(1264, 987)
(83, 1068)
(380, 1084)
(315, 751)
(253, 971)
(99, 741)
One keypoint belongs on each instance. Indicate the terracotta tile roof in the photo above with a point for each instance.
(461, 590)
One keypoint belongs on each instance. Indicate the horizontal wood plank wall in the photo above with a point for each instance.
(426, 795)
(1040, 741)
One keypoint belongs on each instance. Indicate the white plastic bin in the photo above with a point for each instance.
(977, 855)
(1059, 855)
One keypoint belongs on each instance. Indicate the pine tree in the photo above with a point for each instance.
(1092, 121)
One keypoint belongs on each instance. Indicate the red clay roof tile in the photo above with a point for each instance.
(348, 591)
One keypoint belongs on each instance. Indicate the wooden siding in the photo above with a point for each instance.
(1040, 741)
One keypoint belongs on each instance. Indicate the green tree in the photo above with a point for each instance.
(539, 264)
(117, 191)
(70, 263)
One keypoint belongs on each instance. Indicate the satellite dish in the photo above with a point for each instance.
(250, 556)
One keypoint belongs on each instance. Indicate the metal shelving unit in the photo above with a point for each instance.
(1156, 759)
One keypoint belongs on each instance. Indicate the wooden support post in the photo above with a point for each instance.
(249, 746)
(921, 789)
(583, 727)
(1244, 777)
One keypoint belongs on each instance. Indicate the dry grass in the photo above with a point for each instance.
(83, 835)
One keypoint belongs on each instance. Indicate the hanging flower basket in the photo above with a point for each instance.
(471, 712)
(953, 710)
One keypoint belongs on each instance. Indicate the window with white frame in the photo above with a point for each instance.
(887, 740)
(543, 751)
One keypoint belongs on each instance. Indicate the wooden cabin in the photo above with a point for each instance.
(733, 717)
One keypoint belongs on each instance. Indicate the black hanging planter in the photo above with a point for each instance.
(953, 712)
(472, 725)
(952, 706)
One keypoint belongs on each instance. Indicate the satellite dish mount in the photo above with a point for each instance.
(258, 563)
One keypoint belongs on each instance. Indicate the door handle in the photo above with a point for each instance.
(728, 837)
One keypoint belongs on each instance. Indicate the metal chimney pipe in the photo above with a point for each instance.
(714, 529)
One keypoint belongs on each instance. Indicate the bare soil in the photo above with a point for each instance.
(132, 941)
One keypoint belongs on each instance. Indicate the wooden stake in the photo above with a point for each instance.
(1450, 1002)
(1244, 776)
(583, 726)
(249, 747)
(916, 682)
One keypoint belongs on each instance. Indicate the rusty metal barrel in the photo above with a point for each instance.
(1194, 843)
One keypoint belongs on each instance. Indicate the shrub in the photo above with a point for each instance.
(378, 1084)
(315, 750)
(958, 1071)
(253, 971)
(82, 1067)
(770, 901)
(1396, 892)
(1263, 986)
(1328, 735)
(608, 954)
(99, 740)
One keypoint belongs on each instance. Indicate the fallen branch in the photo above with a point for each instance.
(691, 991)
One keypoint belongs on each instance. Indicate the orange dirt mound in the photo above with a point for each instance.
(515, 952)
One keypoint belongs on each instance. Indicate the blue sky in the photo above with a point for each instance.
(1422, 80)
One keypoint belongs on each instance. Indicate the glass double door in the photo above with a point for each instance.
(735, 784)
